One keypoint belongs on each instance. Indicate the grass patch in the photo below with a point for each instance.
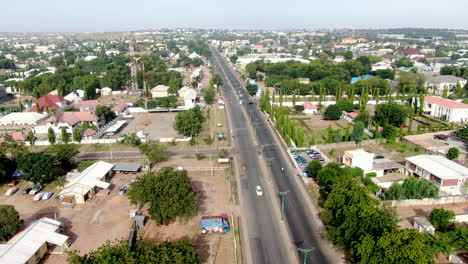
(314, 191)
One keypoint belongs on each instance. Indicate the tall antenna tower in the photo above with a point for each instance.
(133, 68)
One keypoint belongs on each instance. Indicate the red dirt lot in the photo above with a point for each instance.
(407, 213)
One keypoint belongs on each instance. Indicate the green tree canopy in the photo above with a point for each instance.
(10, 222)
(358, 132)
(169, 194)
(189, 123)
(65, 154)
(38, 167)
(332, 112)
(412, 188)
(390, 114)
(313, 168)
(154, 151)
(442, 219)
(104, 113)
(453, 153)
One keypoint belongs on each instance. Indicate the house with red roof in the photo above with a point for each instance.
(310, 108)
(49, 101)
(88, 105)
(349, 116)
(348, 40)
(120, 108)
(67, 120)
(445, 109)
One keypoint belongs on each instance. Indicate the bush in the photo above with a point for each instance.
(10, 222)
(299, 108)
(345, 105)
(208, 140)
(200, 156)
(84, 164)
(412, 188)
(453, 153)
(332, 112)
(371, 174)
(442, 219)
(223, 153)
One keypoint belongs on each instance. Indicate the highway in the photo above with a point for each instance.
(257, 151)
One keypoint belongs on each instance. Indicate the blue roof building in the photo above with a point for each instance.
(361, 78)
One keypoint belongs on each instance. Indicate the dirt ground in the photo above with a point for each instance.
(214, 199)
(90, 225)
(316, 126)
(158, 125)
(408, 213)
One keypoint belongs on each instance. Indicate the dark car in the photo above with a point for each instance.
(441, 136)
(379, 157)
(26, 190)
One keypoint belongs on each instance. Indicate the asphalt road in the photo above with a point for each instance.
(305, 229)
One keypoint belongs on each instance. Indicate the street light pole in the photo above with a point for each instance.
(282, 197)
(305, 252)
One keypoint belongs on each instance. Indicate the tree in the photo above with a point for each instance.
(252, 88)
(442, 219)
(390, 114)
(189, 123)
(77, 135)
(38, 167)
(209, 95)
(57, 61)
(169, 194)
(31, 138)
(412, 188)
(65, 154)
(65, 136)
(345, 105)
(313, 168)
(12, 148)
(154, 151)
(390, 133)
(104, 113)
(144, 251)
(10, 222)
(332, 112)
(453, 153)
(131, 139)
(174, 86)
(462, 133)
(358, 132)
(363, 117)
(233, 58)
(84, 164)
(251, 70)
(51, 135)
(404, 62)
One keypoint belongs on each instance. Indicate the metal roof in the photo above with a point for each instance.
(439, 166)
(126, 166)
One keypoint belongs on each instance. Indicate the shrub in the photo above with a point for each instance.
(200, 156)
(332, 112)
(299, 108)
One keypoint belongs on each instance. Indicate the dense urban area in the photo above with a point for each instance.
(234, 146)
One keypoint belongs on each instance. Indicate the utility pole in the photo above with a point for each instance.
(282, 197)
(269, 160)
(305, 252)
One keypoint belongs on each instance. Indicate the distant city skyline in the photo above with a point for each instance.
(119, 15)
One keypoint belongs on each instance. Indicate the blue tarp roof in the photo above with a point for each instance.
(361, 78)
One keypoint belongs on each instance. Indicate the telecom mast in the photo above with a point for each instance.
(133, 70)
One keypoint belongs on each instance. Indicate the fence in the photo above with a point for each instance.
(429, 201)
(107, 141)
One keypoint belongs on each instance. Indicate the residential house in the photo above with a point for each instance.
(194, 55)
(88, 105)
(448, 175)
(349, 116)
(382, 65)
(88, 133)
(110, 52)
(437, 83)
(160, 91)
(84, 185)
(361, 78)
(75, 96)
(359, 158)
(18, 136)
(30, 245)
(339, 58)
(22, 118)
(197, 74)
(121, 108)
(49, 101)
(106, 91)
(67, 120)
(446, 109)
(349, 40)
(190, 98)
(310, 108)
(183, 90)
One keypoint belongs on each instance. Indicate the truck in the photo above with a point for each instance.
(214, 224)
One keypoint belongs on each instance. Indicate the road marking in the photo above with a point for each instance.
(96, 215)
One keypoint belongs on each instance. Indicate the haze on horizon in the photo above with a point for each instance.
(119, 15)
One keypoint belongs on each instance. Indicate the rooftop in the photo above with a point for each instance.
(72, 118)
(126, 166)
(90, 178)
(439, 166)
(443, 79)
(444, 102)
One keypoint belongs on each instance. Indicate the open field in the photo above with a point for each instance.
(317, 127)
(157, 125)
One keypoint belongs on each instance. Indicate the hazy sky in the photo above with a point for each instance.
(119, 15)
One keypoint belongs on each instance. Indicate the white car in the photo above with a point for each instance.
(240, 102)
(259, 191)
(11, 191)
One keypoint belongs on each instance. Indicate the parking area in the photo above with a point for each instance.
(437, 142)
(304, 157)
(157, 125)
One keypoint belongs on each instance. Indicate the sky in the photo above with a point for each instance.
(120, 15)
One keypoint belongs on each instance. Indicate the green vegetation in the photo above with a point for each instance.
(155, 189)
(65, 154)
(442, 219)
(390, 114)
(84, 164)
(144, 251)
(104, 113)
(313, 168)
(38, 167)
(453, 153)
(332, 112)
(411, 188)
(189, 123)
(10, 222)
(154, 151)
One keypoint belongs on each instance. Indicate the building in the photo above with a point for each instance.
(304, 80)
(75, 96)
(84, 185)
(67, 120)
(446, 109)
(349, 116)
(349, 40)
(105, 91)
(423, 225)
(437, 83)
(121, 108)
(30, 245)
(448, 175)
(190, 98)
(88, 105)
(160, 91)
(49, 101)
(126, 167)
(197, 74)
(310, 108)
(22, 118)
(359, 158)
(361, 78)
(183, 90)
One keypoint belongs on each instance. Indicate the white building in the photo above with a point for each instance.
(436, 84)
(448, 175)
(84, 185)
(423, 225)
(22, 118)
(359, 158)
(30, 245)
(160, 91)
(190, 98)
(197, 73)
(310, 108)
(67, 120)
(112, 52)
(106, 91)
(446, 109)
(75, 96)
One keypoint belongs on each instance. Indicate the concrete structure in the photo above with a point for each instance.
(359, 158)
(30, 245)
(423, 225)
(190, 98)
(445, 109)
(106, 91)
(183, 90)
(159, 91)
(22, 118)
(448, 175)
(310, 108)
(436, 84)
(67, 120)
(126, 167)
(88, 105)
(75, 96)
(121, 108)
(197, 74)
(82, 186)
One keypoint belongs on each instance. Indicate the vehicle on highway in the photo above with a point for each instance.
(47, 195)
(122, 190)
(36, 189)
(26, 190)
(244, 168)
(240, 102)
(11, 191)
(38, 197)
(259, 190)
